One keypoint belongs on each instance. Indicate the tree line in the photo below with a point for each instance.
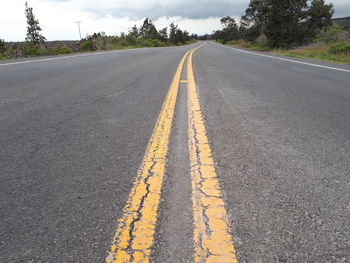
(282, 23)
(146, 31)
(149, 31)
(147, 35)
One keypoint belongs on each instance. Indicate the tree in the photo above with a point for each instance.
(172, 35)
(194, 36)
(163, 34)
(134, 32)
(230, 29)
(216, 35)
(33, 28)
(186, 36)
(285, 22)
(319, 17)
(179, 36)
(228, 22)
(148, 30)
(133, 35)
(253, 22)
(2, 46)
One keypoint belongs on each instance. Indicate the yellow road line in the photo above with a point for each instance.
(212, 238)
(135, 233)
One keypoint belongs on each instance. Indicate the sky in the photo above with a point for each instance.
(58, 17)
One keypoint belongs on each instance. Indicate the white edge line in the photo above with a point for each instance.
(289, 60)
(64, 57)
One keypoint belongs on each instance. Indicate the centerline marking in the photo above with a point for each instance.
(213, 241)
(134, 237)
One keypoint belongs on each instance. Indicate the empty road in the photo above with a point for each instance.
(199, 153)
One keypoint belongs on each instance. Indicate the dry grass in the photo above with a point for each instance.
(319, 52)
(316, 51)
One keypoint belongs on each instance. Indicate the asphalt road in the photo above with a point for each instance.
(74, 131)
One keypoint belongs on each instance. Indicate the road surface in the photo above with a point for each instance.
(155, 154)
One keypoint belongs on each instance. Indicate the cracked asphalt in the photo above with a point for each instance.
(73, 133)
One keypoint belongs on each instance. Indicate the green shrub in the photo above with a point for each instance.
(240, 43)
(99, 43)
(333, 34)
(8, 53)
(156, 43)
(61, 50)
(123, 43)
(140, 42)
(192, 41)
(340, 47)
(30, 50)
(262, 42)
(232, 42)
(86, 45)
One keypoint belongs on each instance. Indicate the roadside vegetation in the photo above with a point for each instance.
(332, 45)
(301, 28)
(344, 22)
(147, 35)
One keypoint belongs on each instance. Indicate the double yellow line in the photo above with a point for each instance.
(134, 237)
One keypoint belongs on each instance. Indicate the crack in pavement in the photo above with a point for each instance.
(212, 236)
(135, 233)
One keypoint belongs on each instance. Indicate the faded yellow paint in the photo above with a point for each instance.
(213, 242)
(135, 233)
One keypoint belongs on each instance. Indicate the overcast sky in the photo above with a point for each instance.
(58, 17)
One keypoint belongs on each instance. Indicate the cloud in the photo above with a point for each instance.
(57, 17)
(155, 9)
(192, 9)
(342, 8)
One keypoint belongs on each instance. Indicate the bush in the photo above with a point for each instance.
(262, 41)
(8, 53)
(62, 50)
(140, 42)
(232, 42)
(123, 43)
(240, 43)
(86, 45)
(30, 50)
(156, 43)
(333, 34)
(99, 43)
(5, 53)
(340, 47)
